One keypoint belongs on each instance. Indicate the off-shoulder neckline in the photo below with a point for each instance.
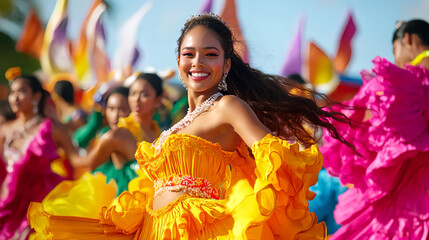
(215, 144)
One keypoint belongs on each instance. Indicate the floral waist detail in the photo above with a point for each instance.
(197, 187)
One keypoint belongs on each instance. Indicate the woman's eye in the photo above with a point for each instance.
(187, 54)
(212, 54)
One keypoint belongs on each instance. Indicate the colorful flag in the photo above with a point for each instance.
(229, 15)
(55, 56)
(81, 56)
(207, 7)
(293, 62)
(99, 63)
(31, 39)
(326, 75)
(126, 54)
(321, 75)
(344, 52)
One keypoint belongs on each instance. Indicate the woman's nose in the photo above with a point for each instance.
(198, 61)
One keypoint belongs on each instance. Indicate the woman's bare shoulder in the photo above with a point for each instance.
(242, 118)
(232, 103)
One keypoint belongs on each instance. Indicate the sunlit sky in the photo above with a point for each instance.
(268, 26)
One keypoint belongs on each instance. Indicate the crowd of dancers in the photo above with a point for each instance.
(243, 162)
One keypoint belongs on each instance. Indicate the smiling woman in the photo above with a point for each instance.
(202, 170)
(30, 143)
(201, 61)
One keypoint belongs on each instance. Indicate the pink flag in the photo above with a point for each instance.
(293, 62)
(344, 52)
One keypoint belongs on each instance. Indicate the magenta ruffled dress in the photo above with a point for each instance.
(29, 179)
(390, 175)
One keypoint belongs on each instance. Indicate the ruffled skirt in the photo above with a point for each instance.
(390, 197)
(271, 204)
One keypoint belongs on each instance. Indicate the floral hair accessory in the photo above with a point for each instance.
(12, 73)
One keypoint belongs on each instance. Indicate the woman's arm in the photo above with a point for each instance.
(241, 117)
(119, 140)
(63, 140)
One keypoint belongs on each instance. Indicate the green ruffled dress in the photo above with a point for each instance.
(121, 176)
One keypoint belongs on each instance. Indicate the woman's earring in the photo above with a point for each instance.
(183, 82)
(35, 108)
(222, 84)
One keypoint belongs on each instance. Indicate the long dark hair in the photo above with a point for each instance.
(415, 26)
(35, 87)
(282, 112)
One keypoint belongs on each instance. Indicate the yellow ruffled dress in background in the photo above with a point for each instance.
(228, 195)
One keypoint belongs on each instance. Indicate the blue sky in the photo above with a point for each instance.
(268, 26)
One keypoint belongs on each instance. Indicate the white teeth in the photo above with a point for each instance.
(200, 74)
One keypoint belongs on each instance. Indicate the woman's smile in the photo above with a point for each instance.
(199, 75)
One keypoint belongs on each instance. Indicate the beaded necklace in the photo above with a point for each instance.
(188, 119)
(12, 153)
(22, 132)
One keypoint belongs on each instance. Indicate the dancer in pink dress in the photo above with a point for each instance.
(389, 174)
(29, 146)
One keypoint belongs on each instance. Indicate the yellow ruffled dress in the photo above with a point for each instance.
(228, 195)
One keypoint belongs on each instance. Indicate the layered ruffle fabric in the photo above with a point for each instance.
(262, 198)
(30, 180)
(389, 170)
(133, 126)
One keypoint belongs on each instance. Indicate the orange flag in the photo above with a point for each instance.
(344, 52)
(229, 14)
(321, 71)
(31, 39)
